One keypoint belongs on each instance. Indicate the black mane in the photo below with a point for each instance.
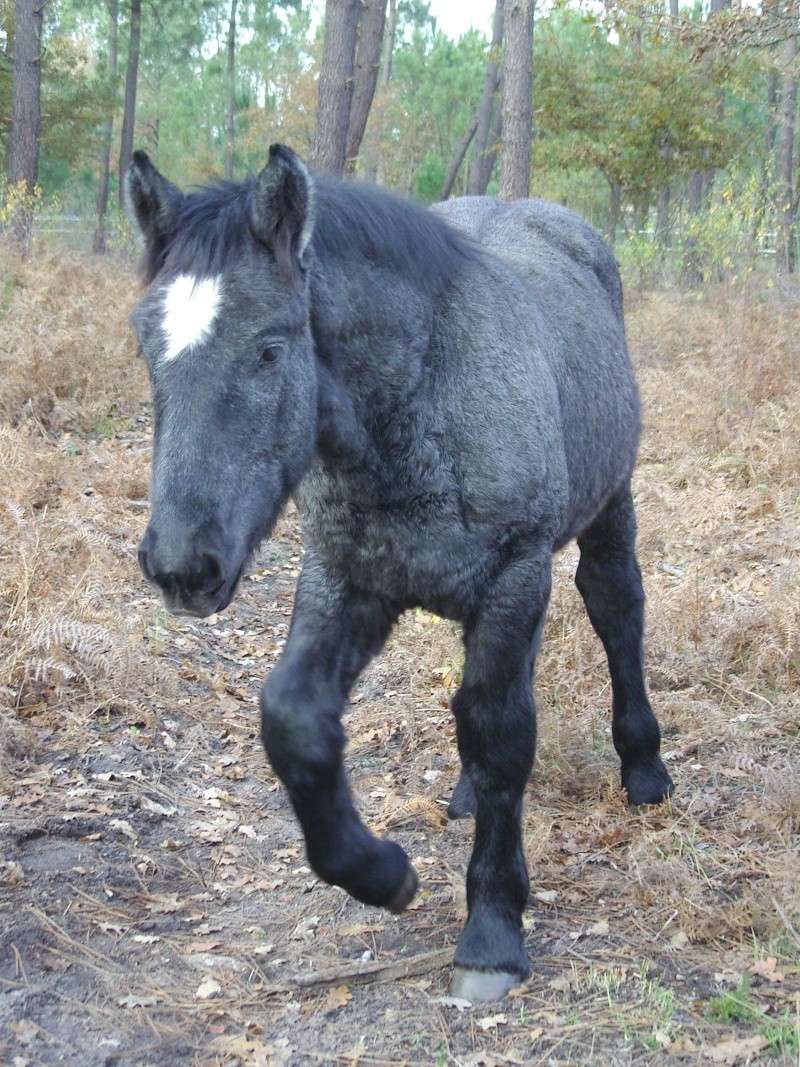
(352, 222)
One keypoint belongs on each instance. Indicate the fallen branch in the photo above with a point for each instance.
(374, 971)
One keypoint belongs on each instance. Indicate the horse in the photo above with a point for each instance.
(448, 398)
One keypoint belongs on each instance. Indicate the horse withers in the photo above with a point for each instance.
(448, 398)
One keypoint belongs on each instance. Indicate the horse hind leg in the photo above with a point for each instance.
(610, 583)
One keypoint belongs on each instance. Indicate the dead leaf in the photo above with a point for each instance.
(491, 1022)
(547, 896)
(11, 873)
(600, 929)
(208, 988)
(736, 1050)
(124, 827)
(337, 998)
(767, 969)
(304, 931)
(155, 808)
(132, 1001)
(25, 1031)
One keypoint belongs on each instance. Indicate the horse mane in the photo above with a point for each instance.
(353, 222)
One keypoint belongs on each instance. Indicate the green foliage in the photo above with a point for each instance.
(641, 116)
(623, 112)
(739, 1006)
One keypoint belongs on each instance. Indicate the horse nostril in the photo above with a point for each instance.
(144, 564)
(210, 572)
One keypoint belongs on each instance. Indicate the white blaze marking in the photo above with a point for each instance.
(190, 307)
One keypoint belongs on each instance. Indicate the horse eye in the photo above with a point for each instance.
(272, 352)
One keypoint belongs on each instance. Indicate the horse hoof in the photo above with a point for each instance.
(648, 784)
(480, 987)
(406, 893)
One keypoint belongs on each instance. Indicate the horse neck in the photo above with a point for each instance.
(372, 329)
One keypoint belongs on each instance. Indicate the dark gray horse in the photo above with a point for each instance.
(448, 405)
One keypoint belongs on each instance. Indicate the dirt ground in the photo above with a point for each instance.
(155, 904)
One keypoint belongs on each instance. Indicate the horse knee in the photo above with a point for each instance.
(300, 731)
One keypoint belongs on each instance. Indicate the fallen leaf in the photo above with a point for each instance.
(124, 827)
(132, 1001)
(735, 1050)
(25, 1031)
(547, 896)
(155, 808)
(208, 988)
(491, 1022)
(304, 930)
(600, 929)
(767, 969)
(337, 998)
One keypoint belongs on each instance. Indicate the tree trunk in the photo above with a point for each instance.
(100, 239)
(336, 85)
(692, 265)
(515, 154)
(785, 206)
(495, 138)
(131, 82)
(662, 217)
(230, 92)
(367, 64)
(388, 44)
(26, 114)
(614, 211)
(458, 159)
(476, 186)
(673, 9)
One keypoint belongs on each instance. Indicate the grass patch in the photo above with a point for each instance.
(739, 1006)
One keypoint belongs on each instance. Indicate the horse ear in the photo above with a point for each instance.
(152, 201)
(283, 206)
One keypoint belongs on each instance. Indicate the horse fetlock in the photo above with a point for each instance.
(463, 803)
(646, 781)
(492, 941)
(375, 872)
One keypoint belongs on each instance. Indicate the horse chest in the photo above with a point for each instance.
(413, 548)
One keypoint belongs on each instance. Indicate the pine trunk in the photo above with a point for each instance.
(367, 65)
(388, 44)
(515, 154)
(785, 206)
(692, 264)
(100, 237)
(614, 211)
(26, 115)
(458, 159)
(495, 138)
(336, 85)
(131, 83)
(478, 178)
(230, 93)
